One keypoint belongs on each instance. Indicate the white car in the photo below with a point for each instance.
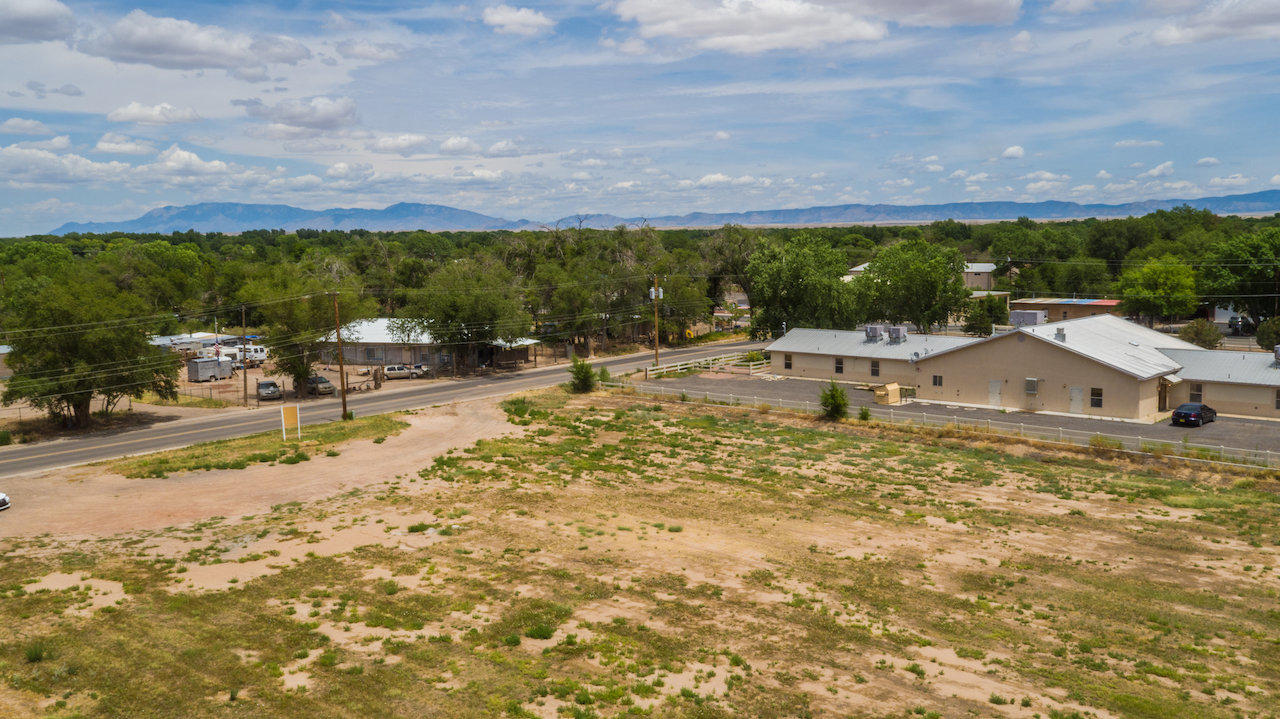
(4, 501)
(399, 371)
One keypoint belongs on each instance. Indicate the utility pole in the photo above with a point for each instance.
(244, 358)
(342, 367)
(655, 294)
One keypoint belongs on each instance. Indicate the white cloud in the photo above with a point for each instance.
(1235, 180)
(365, 50)
(1013, 152)
(61, 143)
(1074, 7)
(749, 26)
(1044, 176)
(1164, 169)
(721, 135)
(23, 126)
(1241, 19)
(1139, 143)
(1043, 186)
(162, 114)
(503, 148)
(630, 46)
(1103, 175)
(177, 162)
(23, 21)
(516, 21)
(405, 144)
(174, 44)
(315, 113)
(40, 90)
(1021, 42)
(349, 171)
(1083, 189)
(716, 178)
(113, 143)
(459, 146)
(901, 182)
(625, 185)
(1208, 162)
(30, 167)
(934, 168)
(1275, 179)
(1120, 186)
(958, 175)
(979, 177)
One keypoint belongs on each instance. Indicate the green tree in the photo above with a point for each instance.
(1201, 332)
(1244, 270)
(797, 283)
(1162, 288)
(918, 282)
(835, 403)
(297, 313)
(76, 338)
(728, 252)
(468, 303)
(982, 314)
(581, 377)
(1268, 334)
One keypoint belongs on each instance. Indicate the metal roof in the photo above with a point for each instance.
(968, 267)
(1117, 343)
(844, 343)
(1201, 365)
(1065, 301)
(379, 331)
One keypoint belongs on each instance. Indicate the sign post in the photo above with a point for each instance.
(289, 416)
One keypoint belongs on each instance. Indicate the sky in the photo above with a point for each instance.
(633, 107)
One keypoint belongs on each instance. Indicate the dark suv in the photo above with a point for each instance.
(1194, 414)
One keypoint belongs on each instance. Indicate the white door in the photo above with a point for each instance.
(993, 392)
(1077, 400)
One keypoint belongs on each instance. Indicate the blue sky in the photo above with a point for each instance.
(633, 107)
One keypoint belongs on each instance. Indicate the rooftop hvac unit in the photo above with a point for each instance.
(897, 333)
(874, 332)
(1060, 334)
(1024, 318)
(1032, 385)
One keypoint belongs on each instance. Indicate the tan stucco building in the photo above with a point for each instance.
(977, 275)
(1099, 366)
(1057, 309)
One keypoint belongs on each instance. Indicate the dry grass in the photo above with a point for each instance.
(666, 560)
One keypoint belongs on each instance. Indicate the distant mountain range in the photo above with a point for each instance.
(234, 217)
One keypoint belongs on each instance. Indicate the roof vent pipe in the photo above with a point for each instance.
(1061, 334)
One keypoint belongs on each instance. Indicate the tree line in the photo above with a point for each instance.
(106, 294)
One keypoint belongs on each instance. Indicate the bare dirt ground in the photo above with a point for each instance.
(92, 500)
(682, 560)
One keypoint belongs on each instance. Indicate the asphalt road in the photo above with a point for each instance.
(26, 459)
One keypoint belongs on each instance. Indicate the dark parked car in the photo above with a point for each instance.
(268, 389)
(1194, 414)
(319, 385)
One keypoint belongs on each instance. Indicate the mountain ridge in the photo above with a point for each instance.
(234, 217)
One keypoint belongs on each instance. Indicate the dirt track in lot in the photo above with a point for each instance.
(93, 501)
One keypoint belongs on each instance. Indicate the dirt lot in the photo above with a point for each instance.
(615, 556)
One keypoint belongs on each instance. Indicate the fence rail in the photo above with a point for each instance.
(1218, 454)
(736, 362)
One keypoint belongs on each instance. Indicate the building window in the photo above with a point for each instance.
(937, 380)
(1197, 393)
(369, 353)
(1064, 314)
(1278, 399)
(839, 365)
(1095, 397)
(875, 368)
(786, 361)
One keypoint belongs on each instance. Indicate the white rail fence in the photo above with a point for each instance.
(736, 363)
(1219, 454)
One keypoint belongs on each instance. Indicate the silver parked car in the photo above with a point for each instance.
(4, 501)
(269, 389)
(399, 371)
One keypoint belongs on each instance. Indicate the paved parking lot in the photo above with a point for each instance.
(1227, 431)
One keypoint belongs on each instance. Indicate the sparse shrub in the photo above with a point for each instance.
(603, 374)
(419, 527)
(1101, 441)
(1201, 332)
(540, 631)
(916, 669)
(835, 403)
(511, 640)
(754, 356)
(6, 437)
(675, 528)
(864, 414)
(582, 377)
(36, 652)
(233, 694)
(997, 699)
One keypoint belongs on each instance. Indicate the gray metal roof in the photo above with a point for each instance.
(1115, 342)
(1109, 340)
(968, 267)
(844, 343)
(1201, 365)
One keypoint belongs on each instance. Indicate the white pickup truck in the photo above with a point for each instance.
(399, 371)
